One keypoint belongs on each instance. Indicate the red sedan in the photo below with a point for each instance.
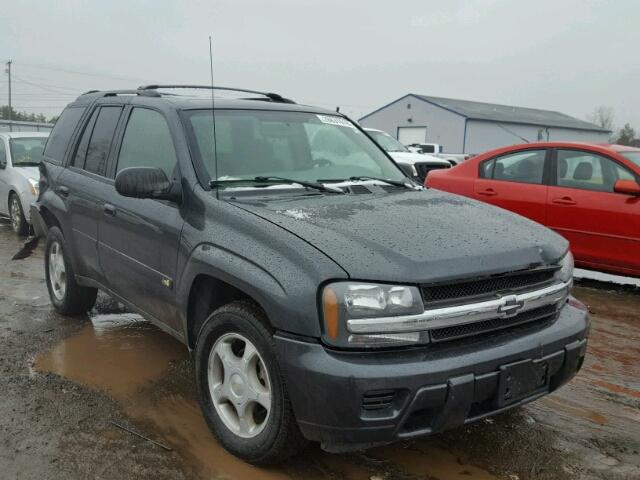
(588, 193)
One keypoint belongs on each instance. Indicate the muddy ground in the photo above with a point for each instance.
(69, 385)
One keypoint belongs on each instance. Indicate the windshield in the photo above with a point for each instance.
(295, 145)
(26, 151)
(633, 156)
(387, 142)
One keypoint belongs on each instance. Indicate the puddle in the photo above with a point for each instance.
(128, 359)
(116, 354)
(432, 462)
(605, 394)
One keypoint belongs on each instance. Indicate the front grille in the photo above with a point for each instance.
(378, 399)
(537, 315)
(423, 169)
(484, 287)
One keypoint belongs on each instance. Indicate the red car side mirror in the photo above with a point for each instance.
(628, 187)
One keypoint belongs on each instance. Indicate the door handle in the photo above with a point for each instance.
(564, 201)
(62, 191)
(489, 192)
(109, 209)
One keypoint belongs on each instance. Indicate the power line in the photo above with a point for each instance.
(49, 85)
(77, 72)
(43, 87)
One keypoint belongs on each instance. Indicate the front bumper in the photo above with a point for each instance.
(27, 200)
(348, 400)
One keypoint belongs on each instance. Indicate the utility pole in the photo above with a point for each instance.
(8, 70)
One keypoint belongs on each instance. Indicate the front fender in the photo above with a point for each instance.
(287, 295)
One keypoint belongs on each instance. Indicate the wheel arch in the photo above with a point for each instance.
(214, 277)
(207, 294)
(50, 218)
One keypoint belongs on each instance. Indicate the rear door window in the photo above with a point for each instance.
(486, 168)
(522, 167)
(61, 134)
(100, 143)
(3, 153)
(81, 150)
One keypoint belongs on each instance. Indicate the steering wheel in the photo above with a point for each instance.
(322, 162)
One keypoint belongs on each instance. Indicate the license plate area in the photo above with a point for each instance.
(522, 379)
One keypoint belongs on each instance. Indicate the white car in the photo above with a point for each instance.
(20, 154)
(419, 164)
(437, 150)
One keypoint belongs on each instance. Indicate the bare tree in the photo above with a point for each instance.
(603, 117)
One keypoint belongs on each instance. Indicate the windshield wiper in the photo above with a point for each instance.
(274, 179)
(397, 183)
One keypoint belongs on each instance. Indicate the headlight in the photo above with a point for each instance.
(342, 301)
(35, 187)
(566, 268)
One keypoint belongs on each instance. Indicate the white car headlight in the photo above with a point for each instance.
(342, 301)
(34, 187)
(566, 268)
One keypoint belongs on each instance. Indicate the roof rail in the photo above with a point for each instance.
(113, 93)
(273, 97)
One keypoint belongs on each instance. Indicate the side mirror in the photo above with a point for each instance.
(628, 187)
(146, 182)
(3, 165)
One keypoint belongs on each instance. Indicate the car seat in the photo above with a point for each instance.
(583, 172)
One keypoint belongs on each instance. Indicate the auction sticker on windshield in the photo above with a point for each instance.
(339, 121)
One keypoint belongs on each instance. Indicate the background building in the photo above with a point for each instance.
(462, 126)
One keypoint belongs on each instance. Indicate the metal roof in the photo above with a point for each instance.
(509, 114)
(506, 113)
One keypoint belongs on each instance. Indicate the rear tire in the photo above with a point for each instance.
(67, 297)
(18, 221)
(237, 372)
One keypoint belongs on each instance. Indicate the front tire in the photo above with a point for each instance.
(18, 221)
(240, 387)
(67, 297)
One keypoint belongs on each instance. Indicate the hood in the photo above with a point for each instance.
(410, 157)
(28, 172)
(413, 236)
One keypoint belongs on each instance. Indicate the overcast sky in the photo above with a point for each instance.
(566, 55)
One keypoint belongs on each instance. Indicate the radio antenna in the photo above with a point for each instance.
(213, 114)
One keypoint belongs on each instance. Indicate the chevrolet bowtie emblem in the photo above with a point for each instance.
(510, 306)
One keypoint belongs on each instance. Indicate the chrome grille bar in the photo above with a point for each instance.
(502, 307)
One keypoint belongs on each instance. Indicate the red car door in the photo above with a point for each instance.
(515, 181)
(602, 226)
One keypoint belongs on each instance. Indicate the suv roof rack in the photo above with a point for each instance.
(272, 97)
(113, 93)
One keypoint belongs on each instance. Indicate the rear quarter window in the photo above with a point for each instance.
(61, 134)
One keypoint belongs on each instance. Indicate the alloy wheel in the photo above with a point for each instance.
(15, 213)
(239, 385)
(57, 271)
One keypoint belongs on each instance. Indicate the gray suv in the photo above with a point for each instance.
(325, 296)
